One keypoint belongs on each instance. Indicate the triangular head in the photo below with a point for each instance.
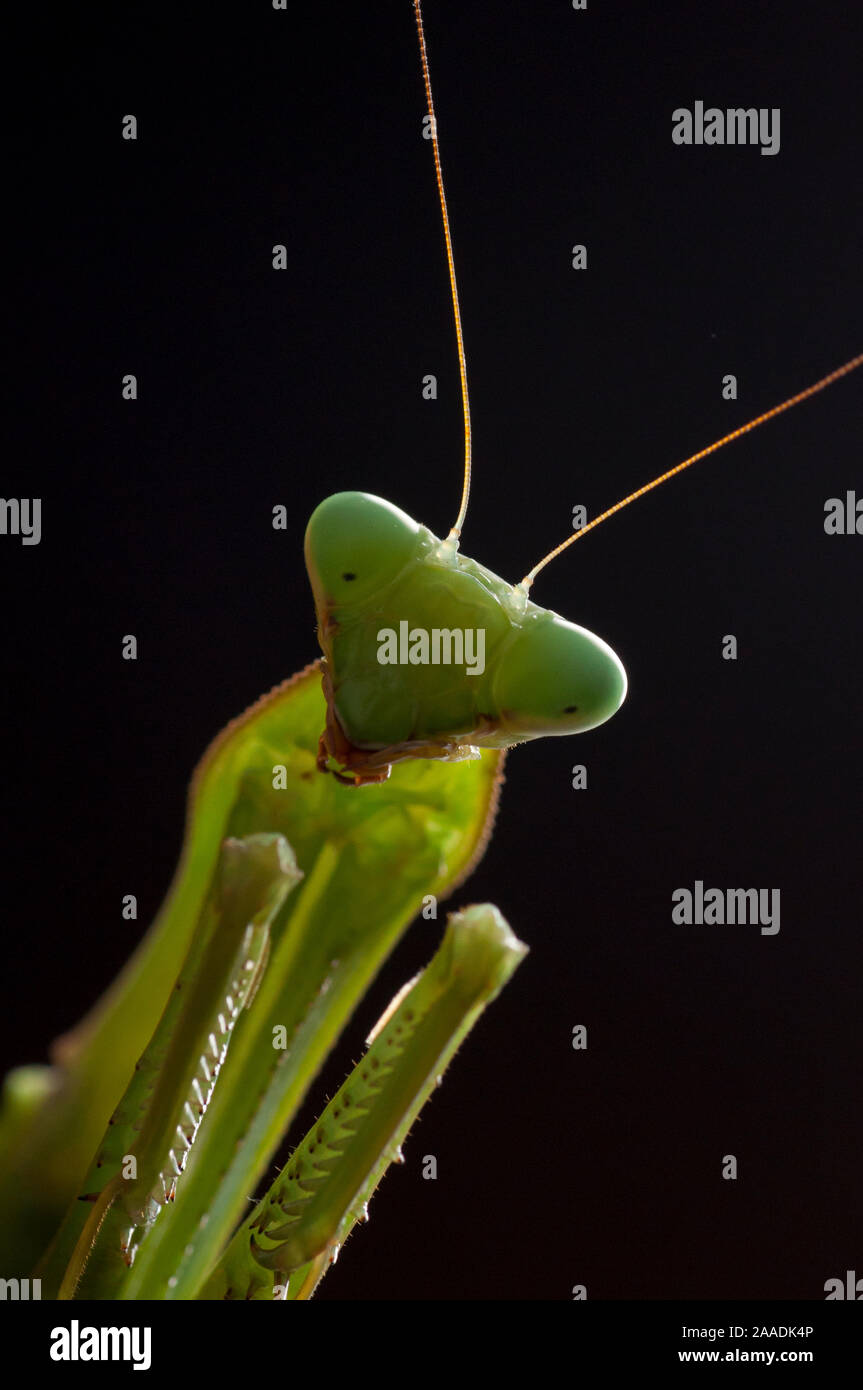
(430, 655)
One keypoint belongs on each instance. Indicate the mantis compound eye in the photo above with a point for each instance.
(356, 544)
(557, 678)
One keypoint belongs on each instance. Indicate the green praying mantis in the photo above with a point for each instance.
(318, 823)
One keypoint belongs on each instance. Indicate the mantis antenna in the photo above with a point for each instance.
(452, 539)
(827, 380)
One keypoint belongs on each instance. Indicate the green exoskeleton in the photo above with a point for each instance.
(430, 655)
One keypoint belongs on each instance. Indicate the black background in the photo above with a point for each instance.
(256, 388)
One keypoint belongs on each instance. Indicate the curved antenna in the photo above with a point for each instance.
(678, 468)
(452, 539)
